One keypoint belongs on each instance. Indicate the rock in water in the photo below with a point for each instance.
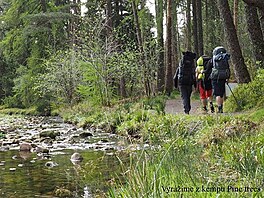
(51, 164)
(76, 157)
(25, 147)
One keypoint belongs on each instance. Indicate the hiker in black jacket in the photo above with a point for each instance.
(184, 79)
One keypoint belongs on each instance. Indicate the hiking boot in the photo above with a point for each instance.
(212, 108)
(187, 112)
(220, 109)
(204, 109)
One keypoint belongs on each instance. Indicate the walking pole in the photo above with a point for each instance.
(233, 94)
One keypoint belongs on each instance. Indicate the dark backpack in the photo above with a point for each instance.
(186, 73)
(205, 60)
(220, 70)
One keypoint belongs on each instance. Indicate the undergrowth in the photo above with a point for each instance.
(193, 156)
(221, 157)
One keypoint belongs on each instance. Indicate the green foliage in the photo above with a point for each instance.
(23, 88)
(36, 33)
(30, 28)
(61, 78)
(248, 96)
(157, 103)
(2, 135)
(13, 101)
(94, 86)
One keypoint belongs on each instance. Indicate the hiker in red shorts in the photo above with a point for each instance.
(204, 83)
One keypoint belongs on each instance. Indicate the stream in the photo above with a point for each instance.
(35, 158)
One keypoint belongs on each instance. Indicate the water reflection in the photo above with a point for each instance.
(30, 177)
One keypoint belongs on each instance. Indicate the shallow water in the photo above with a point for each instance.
(24, 175)
(28, 174)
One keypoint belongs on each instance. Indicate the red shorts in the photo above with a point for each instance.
(204, 94)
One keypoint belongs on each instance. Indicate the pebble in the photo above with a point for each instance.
(14, 157)
(51, 164)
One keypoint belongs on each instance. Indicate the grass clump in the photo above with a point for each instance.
(247, 96)
(235, 128)
(151, 174)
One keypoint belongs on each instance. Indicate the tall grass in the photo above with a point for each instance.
(153, 173)
(198, 166)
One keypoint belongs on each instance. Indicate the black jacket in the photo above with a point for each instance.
(185, 76)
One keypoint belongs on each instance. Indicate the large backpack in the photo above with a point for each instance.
(201, 65)
(220, 70)
(186, 73)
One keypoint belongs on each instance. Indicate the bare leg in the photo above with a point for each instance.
(204, 102)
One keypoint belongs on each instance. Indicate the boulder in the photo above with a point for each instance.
(50, 134)
(25, 147)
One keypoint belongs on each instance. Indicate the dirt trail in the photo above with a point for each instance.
(175, 106)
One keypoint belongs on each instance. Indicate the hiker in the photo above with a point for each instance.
(204, 83)
(184, 79)
(220, 73)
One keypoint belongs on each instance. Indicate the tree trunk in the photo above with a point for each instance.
(255, 33)
(123, 87)
(195, 31)
(169, 77)
(206, 30)
(188, 24)
(141, 49)
(199, 27)
(43, 5)
(175, 54)
(261, 18)
(109, 24)
(161, 67)
(235, 13)
(240, 68)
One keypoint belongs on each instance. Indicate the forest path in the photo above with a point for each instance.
(175, 106)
